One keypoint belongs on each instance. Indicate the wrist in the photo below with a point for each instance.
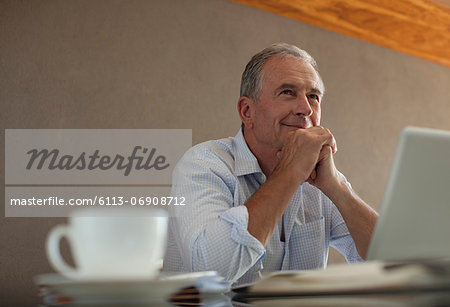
(340, 194)
(289, 176)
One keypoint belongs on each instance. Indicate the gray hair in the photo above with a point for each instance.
(252, 77)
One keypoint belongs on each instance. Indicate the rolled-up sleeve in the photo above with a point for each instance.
(341, 239)
(210, 230)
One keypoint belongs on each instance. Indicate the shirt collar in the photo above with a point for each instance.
(245, 161)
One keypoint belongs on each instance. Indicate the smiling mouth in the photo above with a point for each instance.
(299, 122)
(296, 126)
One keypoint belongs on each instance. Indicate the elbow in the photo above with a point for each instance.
(229, 259)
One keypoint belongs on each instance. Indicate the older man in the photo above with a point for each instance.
(270, 198)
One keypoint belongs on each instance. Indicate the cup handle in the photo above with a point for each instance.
(53, 252)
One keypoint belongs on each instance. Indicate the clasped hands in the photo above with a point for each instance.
(307, 155)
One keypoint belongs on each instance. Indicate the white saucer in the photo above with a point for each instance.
(57, 287)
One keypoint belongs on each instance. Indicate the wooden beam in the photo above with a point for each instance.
(417, 27)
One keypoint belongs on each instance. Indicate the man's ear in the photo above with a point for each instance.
(245, 106)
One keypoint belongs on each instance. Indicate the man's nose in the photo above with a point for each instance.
(302, 106)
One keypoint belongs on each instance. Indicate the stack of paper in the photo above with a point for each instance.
(367, 277)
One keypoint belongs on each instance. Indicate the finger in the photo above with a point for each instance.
(326, 151)
(313, 175)
(330, 140)
(334, 147)
(279, 154)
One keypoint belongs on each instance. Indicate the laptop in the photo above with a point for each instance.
(414, 221)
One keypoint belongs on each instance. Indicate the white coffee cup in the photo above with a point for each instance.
(122, 244)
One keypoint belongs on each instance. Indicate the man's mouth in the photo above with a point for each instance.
(296, 126)
(297, 123)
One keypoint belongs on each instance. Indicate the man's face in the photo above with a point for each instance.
(290, 100)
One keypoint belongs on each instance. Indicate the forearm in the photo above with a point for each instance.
(359, 217)
(267, 205)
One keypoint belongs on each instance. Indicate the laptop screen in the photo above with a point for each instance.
(414, 221)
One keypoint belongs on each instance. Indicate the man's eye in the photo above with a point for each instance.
(288, 92)
(314, 96)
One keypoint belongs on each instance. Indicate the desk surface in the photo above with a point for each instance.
(405, 299)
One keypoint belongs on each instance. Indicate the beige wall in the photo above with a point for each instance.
(177, 64)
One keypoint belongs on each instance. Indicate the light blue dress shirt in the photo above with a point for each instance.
(210, 231)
